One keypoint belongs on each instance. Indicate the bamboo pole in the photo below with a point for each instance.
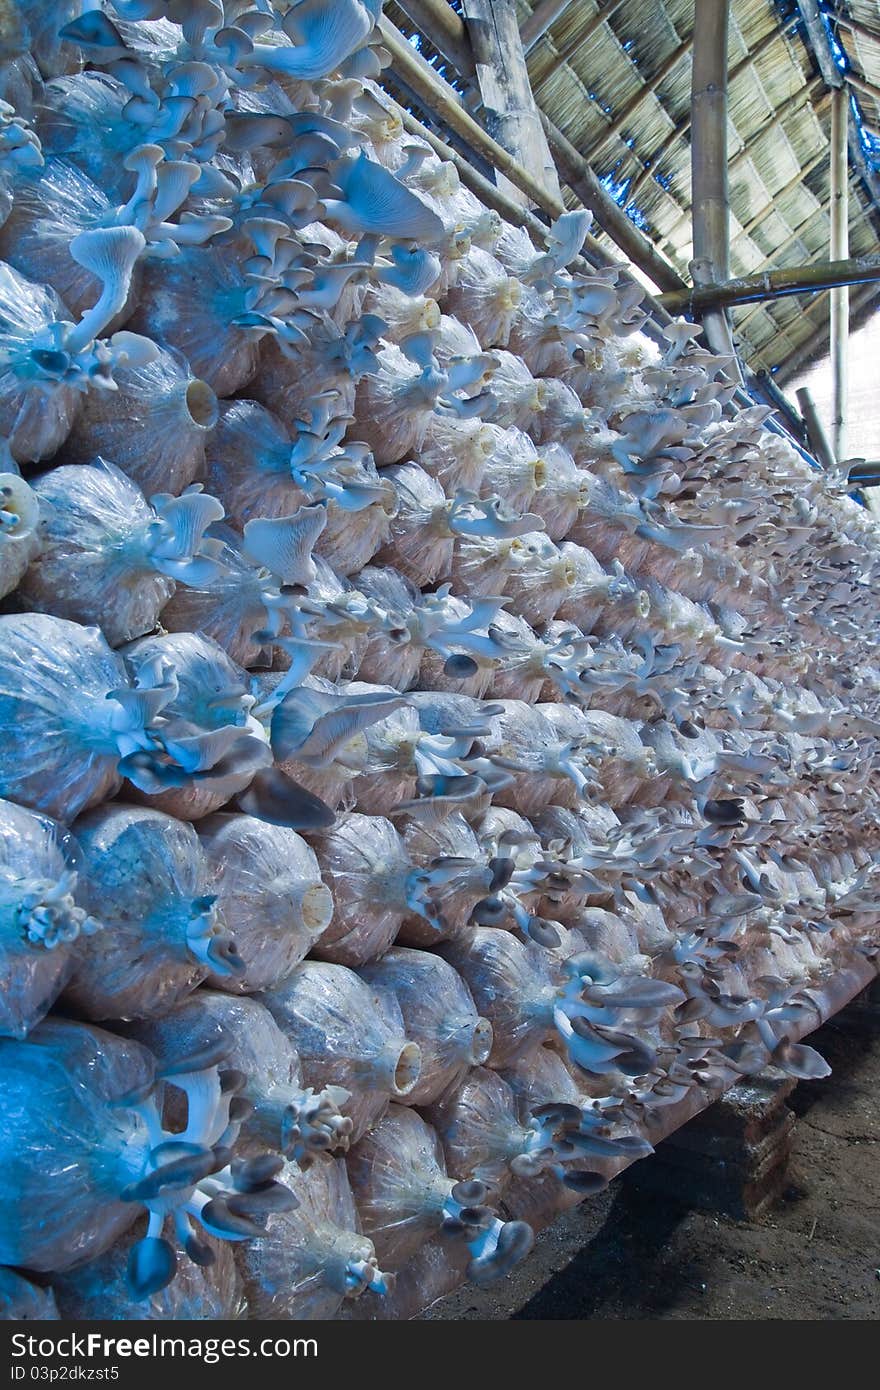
(509, 111)
(443, 99)
(816, 344)
(710, 193)
(815, 433)
(539, 21)
(683, 126)
(861, 31)
(814, 21)
(443, 29)
(488, 193)
(839, 245)
(862, 85)
(774, 284)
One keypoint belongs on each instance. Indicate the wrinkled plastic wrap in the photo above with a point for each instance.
(67, 1143)
(479, 1128)
(230, 608)
(99, 1290)
(146, 877)
(346, 1035)
(60, 749)
(461, 877)
(286, 1116)
(94, 564)
(421, 542)
(51, 207)
(154, 427)
(388, 776)
(189, 303)
(508, 987)
(485, 297)
(400, 1185)
(270, 895)
(248, 463)
(40, 919)
(368, 873)
(72, 108)
(313, 1258)
(35, 414)
(404, 1197)
(438, 1014)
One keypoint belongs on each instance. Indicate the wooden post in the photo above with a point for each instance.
(443, 101)
(710, 196)
(683, 126)
(839, 248)
(511, 116)
(815, 433)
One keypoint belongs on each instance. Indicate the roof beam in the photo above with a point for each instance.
(683, 126)
(834, 77)
(509, 108)
(861, 31)
(863, 86)
(443, 29)
(539, 21)
(774, 284)
(444, 101)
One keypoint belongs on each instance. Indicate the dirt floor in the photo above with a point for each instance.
(816, 1255)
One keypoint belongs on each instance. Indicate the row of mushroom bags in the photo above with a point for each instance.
(438, 726)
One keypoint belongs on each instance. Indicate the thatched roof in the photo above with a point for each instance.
(619, 90)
